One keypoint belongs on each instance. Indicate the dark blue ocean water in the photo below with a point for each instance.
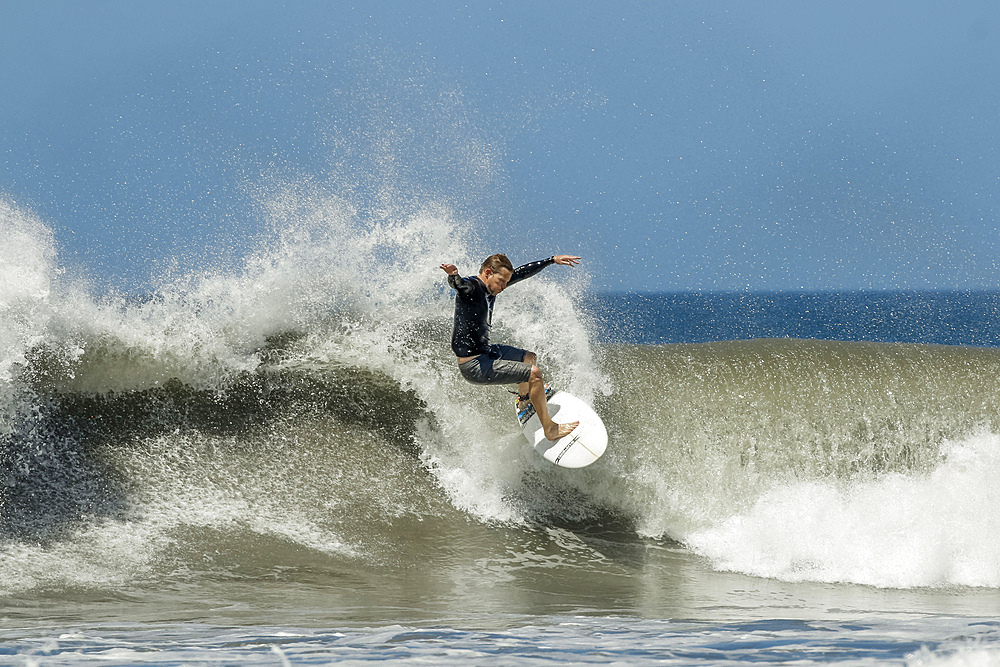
(970, 318)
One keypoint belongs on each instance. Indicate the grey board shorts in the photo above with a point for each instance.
(503, 365)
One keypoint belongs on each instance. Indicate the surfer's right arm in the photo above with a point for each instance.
(454, 280)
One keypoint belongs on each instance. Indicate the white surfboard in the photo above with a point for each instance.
(584, 445)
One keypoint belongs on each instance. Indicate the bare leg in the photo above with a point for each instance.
(529, 358)
(536, 390)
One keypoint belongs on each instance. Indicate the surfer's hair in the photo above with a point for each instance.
(496, 262)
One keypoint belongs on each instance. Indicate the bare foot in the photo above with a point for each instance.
(559, 430)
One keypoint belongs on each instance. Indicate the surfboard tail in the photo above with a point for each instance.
(584, 445)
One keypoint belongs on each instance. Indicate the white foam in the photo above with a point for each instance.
(895, 531)
(970, 655)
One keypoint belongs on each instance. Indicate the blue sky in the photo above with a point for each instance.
(676, 145)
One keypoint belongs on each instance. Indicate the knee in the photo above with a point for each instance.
(536, 374)
(530, 358)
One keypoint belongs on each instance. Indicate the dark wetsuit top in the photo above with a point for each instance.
(474, 309)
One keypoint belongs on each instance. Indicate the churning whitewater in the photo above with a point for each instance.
(305, 411)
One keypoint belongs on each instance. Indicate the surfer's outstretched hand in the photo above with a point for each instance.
(567, 260)
(450, 269)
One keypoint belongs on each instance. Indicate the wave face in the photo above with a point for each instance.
(816, 460)
(306, 410)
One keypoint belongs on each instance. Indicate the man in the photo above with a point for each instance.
(483, 363)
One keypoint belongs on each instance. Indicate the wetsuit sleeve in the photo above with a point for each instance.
(528, 270)
(461, 285)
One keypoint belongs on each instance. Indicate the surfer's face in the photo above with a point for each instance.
(496, 281)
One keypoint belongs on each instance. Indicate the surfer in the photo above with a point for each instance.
(479, 361)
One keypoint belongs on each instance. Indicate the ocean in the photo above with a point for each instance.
(280, 464)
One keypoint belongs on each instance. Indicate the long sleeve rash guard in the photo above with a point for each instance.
(474, 309)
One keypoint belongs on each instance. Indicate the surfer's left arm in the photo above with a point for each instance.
(528, 270)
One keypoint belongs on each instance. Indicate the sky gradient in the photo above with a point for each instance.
(675, 145)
